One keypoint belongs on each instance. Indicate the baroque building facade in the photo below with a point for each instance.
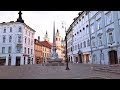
(17, 43)
(95, 37)
(38, 51)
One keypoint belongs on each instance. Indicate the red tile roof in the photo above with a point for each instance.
(46, 44)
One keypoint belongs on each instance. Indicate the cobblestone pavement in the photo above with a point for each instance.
(77, 71)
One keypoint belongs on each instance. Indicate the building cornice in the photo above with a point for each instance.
(12, 22)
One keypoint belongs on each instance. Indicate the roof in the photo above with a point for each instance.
(37, 42)
(12, 22)
(46, 44)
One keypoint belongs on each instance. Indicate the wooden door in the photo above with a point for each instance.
(17, 61)
(113, 57)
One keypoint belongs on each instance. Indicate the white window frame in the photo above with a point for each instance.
(4, 39)
(108, 18)
(110, 38)
(3, 50)
(100, 39)
(20, 29)
(9, 49)
(92, 28)
(10, 39)
(99, 23)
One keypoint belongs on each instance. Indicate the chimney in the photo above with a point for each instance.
(38, 38)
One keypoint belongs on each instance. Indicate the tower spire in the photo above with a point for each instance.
(20, 17)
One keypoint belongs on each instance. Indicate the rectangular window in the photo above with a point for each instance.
(71, 48)
(31, 51)
(84, 43)
(29, 41)
(10, 29)
(92, 28)
(20, 29)
(25, 40)
(100, 41)
(25, 50)
(28, 50)
(110, 37)
(10, 38)
(9, 49)
(19, 39)
(88, 42)
(4, 39)
(4, 30)
(99, 24)
(81, 45)
(87, 29)
(108, 18)
(3, 50)
(18, 49)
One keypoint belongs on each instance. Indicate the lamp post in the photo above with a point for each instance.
(66, 58)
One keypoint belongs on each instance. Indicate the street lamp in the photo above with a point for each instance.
(66, 58)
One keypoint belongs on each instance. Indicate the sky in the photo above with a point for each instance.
(42, 21)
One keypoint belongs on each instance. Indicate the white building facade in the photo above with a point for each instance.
(80, 39)
(16, 44)
(70, 44)
(96, 33)
(105, 33)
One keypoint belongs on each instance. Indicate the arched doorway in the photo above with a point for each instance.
(113, 57)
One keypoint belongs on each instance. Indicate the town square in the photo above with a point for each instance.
(60, 45)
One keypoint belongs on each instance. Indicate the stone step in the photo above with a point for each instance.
(115, 70)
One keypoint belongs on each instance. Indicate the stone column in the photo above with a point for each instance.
(33, 60)
(7, 59)
(13, 60)
(26, 60)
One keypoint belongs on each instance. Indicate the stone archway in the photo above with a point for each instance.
(113, 59)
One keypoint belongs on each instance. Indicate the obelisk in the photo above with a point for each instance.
(54, 60)
(54, 55)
